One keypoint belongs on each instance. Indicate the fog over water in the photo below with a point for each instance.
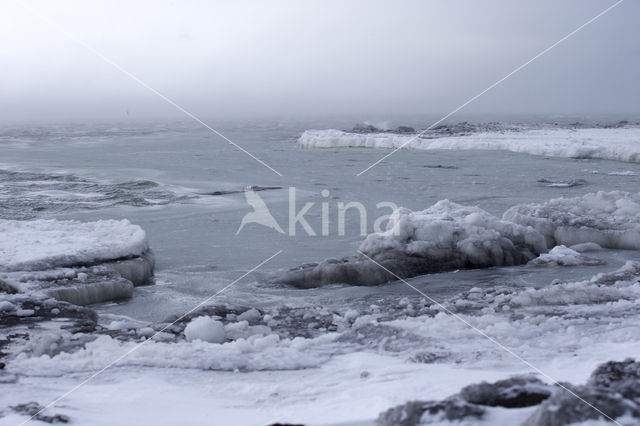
(240, 59)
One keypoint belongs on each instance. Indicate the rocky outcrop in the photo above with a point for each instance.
(612, 392)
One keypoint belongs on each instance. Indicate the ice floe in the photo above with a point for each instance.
(619, 144)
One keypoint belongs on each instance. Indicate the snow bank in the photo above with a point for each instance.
(610, 219)
(446, 236)
(46, 244)
(619, 144)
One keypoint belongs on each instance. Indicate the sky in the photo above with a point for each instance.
(314, 58)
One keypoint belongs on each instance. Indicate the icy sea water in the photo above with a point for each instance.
(155, 175)
(158, 177)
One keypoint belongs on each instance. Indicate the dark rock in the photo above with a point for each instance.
(562, 183)
(424, 412)
(33, 409)
(439, 166)
(286, 424)
(612, 373)
(45, 309)
(408, 414)
(255, 188)
(514, 392)
(404, 129)
(613, 390)
(365, 128)
(565, 408)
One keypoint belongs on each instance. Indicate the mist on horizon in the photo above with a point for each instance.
(234, 60)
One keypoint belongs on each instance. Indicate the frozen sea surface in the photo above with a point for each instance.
(183, 186)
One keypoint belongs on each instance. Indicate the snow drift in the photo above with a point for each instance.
(620, 144)
(446, 236)
(610, 219)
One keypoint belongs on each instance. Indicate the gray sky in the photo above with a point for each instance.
(256, 58)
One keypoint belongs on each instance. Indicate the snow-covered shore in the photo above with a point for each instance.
(401, 350)
(253, 365)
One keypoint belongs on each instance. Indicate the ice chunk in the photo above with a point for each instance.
(46, 244)
(564, 256)
(250, 315)
(610, 219)
(81, 263)
(446, 236)
(583, 247)
(206, 329)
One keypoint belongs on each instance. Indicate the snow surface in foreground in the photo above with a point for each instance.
(47, 244)
(620, 144)
(377, 357)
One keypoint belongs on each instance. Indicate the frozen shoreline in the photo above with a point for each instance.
(331, 355)
(420, 353)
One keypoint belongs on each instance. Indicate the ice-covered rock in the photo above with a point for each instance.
(613, 389)
(44, 309)
(415, 413)
(610, 219)
(470, 404)
(446, 236)
(36, 411)
(514, 392)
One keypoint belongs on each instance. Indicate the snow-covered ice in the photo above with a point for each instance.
(610, 219)
(620, 144)
(47, 244)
